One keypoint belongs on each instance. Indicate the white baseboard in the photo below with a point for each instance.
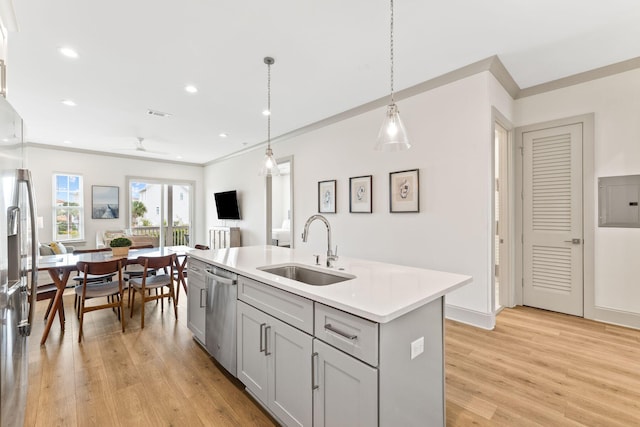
(616, 317)
(470, 317)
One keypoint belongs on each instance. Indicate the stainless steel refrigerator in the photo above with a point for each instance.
(18, 267)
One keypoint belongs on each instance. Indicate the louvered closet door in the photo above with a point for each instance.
(552, 219)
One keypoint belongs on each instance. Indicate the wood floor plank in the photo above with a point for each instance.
(536, 368)
(544, 368)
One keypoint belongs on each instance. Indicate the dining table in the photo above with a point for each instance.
(60, 267)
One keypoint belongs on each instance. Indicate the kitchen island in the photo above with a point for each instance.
(368, 350)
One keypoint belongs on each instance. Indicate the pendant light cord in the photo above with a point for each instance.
(391, 49)
(269, 105)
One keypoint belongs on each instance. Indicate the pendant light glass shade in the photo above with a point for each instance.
(269, 164)
(392, 135)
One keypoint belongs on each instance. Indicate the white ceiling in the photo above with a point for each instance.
(331, 56)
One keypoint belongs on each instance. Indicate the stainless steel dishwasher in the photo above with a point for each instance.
(220, 328)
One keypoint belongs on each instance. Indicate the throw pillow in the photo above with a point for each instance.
(58, 248)
(46, 250)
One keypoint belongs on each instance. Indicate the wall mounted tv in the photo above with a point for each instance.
(227, 205)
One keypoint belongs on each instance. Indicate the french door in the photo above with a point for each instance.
(162, 209)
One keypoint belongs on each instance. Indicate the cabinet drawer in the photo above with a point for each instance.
(292, 309)
(349, 333)
(195, 269)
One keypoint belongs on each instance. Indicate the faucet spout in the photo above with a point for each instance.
(331, 257)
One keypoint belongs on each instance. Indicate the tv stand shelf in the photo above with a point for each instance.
(224, 237)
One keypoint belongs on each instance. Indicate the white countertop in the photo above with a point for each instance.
(380, 292)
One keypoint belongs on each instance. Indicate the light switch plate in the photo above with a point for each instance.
(417, 347)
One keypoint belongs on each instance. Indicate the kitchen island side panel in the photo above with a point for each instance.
(412, 390)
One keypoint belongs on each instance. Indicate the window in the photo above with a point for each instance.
(68, 207)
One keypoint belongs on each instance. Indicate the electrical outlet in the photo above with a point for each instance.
(417, 347)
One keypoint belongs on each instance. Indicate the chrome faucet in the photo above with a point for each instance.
(331, 257)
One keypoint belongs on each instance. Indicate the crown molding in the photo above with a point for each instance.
(102, 153)
(587, 76)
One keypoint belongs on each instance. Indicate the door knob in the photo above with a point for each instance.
(574, 241)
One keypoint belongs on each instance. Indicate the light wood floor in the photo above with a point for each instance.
(535, 369)
(156, 376)
(539, 368)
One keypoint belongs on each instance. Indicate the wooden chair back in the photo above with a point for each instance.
(157, 262)
(100, 267)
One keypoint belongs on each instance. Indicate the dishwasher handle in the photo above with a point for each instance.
(220, 279)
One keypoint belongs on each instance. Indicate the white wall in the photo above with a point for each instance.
(450, 129)
(103, 170)
(615, 100)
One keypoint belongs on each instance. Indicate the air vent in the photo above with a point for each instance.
(157, 113)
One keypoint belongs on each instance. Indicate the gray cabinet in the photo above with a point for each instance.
(345, 390)
(274, 363)
(351, 372)
(196, 300)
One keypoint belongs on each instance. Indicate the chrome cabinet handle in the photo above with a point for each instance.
(266, 342)
(328, 327)
(314, 386)
(202, 306)
(262, 348)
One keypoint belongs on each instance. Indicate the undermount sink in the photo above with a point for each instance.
(306, 275)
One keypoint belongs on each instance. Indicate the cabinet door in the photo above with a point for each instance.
(196, 308)
(251, 360)
(289, 354)
(347, 392)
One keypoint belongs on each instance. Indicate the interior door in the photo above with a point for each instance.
(552, 219)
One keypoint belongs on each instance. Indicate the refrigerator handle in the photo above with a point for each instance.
(24, 175)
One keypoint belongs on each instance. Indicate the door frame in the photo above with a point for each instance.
(507, 185)
(589, 188)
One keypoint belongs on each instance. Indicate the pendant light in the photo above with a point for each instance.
(392, 135)
(269, 165)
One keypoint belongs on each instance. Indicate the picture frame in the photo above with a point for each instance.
(360, 194)
(404, 191)
(105, 202)
(327, 196)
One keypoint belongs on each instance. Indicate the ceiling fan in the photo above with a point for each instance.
(141, 148)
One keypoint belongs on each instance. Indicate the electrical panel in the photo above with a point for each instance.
(618, 198)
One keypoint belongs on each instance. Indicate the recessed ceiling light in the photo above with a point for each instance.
(266, 112)
(67, 142)
(191, 89)
(68, 52)
(5, 139)
(223, 135)
(68, 103)
(178, 157)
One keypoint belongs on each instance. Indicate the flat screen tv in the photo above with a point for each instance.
(227, 205)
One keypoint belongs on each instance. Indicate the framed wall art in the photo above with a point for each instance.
(105, 202)
(404, 191)
(327, 196)
(360, 190)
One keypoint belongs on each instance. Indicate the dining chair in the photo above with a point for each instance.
(93, 278)
(161, 280)
(135, 270)
(103, 289)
